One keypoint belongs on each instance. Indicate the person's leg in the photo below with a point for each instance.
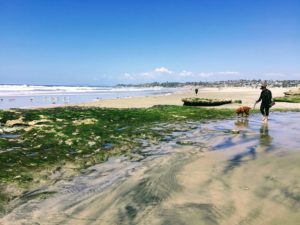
(267, 113)
(262, 110)
(267, 109)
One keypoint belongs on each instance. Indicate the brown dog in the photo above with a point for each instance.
(242, 110)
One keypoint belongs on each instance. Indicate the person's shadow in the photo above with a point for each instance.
(265, 137)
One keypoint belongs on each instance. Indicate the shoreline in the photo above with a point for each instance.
(247, 95)
(49, 98)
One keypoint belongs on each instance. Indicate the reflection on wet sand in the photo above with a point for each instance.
(242, 122)
(238, 182)
(265, 138)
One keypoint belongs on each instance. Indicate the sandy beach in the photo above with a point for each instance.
(147, 113)
(247, 95)
(161, 165)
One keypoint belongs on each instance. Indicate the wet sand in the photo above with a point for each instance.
(227, 172)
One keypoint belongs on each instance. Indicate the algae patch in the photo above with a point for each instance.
(34, 143)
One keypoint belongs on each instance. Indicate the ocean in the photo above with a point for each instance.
(30, 96)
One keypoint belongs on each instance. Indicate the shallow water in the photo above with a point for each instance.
(227, 172)
(9, 136)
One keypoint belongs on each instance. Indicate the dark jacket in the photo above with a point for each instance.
(265, 97)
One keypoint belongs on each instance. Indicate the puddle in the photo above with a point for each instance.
(107, 146)
(205, 175)
(9, 136)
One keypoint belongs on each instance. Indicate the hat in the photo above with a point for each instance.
(264, 84)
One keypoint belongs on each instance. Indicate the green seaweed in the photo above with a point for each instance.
(8, 115)
(291, 99)
(237, 101)
(44, 145)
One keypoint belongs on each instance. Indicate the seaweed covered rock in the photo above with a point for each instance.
(293, 92)
(290, 99)
(292, 96)
(204, 102)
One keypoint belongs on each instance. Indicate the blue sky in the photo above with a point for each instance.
(106, 42)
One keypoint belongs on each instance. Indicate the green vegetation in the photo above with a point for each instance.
(204, 102)
(50, 136)
(36, 145)
(237, 101)
(292, 99)
(81, 135)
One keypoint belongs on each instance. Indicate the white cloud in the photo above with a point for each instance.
(228, 73)
(146, 75)
(205, 74)
(163, 70)
(155, 73)
(224, 74)
(163, 74)
(185, 73)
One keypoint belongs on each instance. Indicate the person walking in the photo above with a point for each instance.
(266, 101)
(196, 91)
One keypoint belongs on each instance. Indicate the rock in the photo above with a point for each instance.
(235, 131)
(11, 129)
(11, 123)
(136, 157)
(91, 143)
(89, 163)
(34, 122)
(205, 102)
(69, 142)
(85, 121)
(185, 142)
(293, 92)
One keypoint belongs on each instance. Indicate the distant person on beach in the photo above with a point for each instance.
(196, 91)
(266, 101)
